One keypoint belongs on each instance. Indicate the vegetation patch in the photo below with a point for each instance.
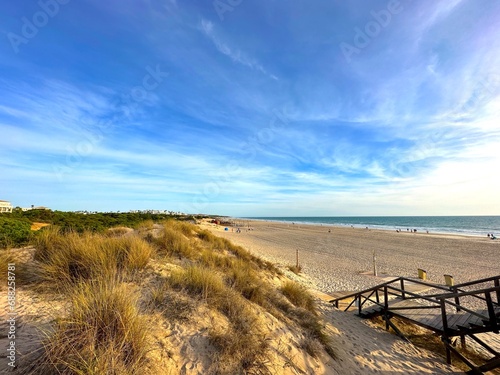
(298, 295)
(178, 270)
(14, 232)
(72, 257)
(295, 269)
(103, 333)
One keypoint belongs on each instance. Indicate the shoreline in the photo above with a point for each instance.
(420, 229)
(338, 259)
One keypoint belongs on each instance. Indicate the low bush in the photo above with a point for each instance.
(14, 232)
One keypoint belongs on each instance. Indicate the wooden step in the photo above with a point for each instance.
(370, 312)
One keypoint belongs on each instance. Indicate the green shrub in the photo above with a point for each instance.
(14, 232)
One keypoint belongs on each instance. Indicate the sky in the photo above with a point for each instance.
(252, 108)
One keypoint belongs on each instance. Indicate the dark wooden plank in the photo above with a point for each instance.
(473, 320)
(462, 317)
(453, 319)
(437, 322)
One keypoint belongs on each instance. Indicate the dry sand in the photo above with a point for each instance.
(342, 260)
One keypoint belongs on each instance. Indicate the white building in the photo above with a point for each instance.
(5, 206)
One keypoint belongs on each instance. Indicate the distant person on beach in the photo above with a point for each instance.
(493, 237)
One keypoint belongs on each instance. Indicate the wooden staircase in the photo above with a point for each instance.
(442, 309)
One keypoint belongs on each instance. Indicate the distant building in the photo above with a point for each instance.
(34, 208)
(5, 206)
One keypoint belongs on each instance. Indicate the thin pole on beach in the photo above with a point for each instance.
(374, 263)
(297, 258)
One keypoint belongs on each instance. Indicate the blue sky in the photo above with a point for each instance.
(252, 108)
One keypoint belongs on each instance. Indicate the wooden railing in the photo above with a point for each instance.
(459, 288)
(362, 298)
(434, 301)
(452, 298)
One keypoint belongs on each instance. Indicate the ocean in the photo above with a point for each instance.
(466, 225)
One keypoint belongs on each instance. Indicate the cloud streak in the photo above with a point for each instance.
(257, 115)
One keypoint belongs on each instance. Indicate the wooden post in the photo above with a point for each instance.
(386, 308)
(297, 258)
(496, 282)
(448, 279)
(374, 264)
(422, 274)
(491, 312)
(445, 338)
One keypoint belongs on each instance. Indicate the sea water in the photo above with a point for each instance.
(466, 225)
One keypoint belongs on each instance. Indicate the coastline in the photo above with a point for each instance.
(337, 259)
(374, 222)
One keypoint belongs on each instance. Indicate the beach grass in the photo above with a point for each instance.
(103, 332)
(111, 288)
(298, 295)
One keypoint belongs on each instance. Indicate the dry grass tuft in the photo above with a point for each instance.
(6, 257)
(187, 229)
(241, 346)
(145, 226)
(198, 281)
(103, 334)
(173, 242)
(117, 231)
(295, 269)
(299, 296)
(173, 305)
(71, 257)
(248, 282)
(239, 352)
(311, 345)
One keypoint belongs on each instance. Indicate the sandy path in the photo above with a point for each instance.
(362, 349)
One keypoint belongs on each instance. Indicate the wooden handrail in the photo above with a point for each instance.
(478, 281)
(467, 293)
(417, 296)
(380, 286)
(355, 294)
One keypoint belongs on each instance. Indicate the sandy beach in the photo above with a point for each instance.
(342, 259)
(338, 259)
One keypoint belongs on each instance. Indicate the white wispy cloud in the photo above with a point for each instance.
(234, 54)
